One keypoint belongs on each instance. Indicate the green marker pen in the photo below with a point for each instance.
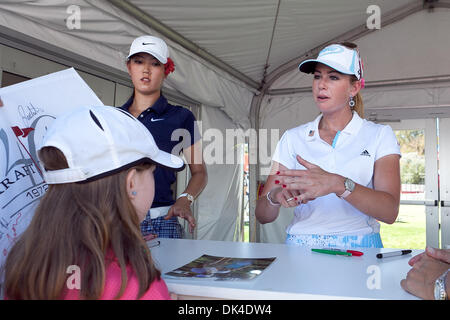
(333, 252)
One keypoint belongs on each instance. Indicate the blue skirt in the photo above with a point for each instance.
(372, 240)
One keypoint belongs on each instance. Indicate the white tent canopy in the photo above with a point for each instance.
(238, 60)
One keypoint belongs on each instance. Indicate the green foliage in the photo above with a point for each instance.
(411, 141)
(412, 168)
(412, 163)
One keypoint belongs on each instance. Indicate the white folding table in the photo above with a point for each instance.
(297, 273)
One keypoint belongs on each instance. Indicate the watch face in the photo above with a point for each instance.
(349, 185)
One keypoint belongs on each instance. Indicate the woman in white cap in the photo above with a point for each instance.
(340, 172)
(148, 64)
(84, 241)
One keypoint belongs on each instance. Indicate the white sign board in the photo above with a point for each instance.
(28, 108)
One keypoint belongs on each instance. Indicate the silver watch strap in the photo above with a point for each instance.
(442, 288)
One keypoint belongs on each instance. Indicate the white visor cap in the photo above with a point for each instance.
(151, 45)
(338, 57)
(100, 141)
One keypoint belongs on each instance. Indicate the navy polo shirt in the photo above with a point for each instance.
(162, 119)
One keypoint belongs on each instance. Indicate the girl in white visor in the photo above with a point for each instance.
(340, 171)
(84, 240)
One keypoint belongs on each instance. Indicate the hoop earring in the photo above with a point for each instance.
(351, 103)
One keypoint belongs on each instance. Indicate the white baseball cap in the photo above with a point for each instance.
(100, 141)
(338, 57)
(151, 45)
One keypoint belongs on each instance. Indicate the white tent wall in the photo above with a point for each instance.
(407, 64)
(282, 112)
(30, 66)
(221, 202)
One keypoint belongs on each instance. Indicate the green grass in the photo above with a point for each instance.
(246, 232)
(408, 232)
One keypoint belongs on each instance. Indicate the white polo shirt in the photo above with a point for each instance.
(353, 155)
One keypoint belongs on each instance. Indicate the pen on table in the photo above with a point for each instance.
(393, 254)
(348, 253)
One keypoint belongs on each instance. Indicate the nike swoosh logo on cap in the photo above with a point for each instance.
(146, 43)
(154, 120)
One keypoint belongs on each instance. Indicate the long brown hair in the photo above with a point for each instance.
(86, 225)
(359, 105)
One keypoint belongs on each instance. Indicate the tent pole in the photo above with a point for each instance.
(373, 84)
(254, 168)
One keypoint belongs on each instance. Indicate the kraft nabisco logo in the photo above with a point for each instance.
(18, 149)
(21, 179)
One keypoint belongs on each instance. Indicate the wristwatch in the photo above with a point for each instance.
(440, 292)
(349, 187)
(189, 196)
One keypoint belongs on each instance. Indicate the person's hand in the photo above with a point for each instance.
(310, 183)
(182, 208)
(421, 278)
(439, 254)
(150, 236)
(287, 198)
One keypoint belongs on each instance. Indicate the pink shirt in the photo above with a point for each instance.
(157, 290)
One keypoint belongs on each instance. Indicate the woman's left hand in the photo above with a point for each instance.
(182, 208)
(311, 183)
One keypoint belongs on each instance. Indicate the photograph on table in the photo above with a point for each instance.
(222, 268)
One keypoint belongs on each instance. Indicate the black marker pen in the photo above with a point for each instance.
(393, 254)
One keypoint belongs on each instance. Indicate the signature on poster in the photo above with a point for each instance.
(28, 112)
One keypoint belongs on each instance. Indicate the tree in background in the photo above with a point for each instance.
(412, 163)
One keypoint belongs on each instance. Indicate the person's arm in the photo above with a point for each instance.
(266, 212)
(382, 202)
(197, 182)
(199, 175)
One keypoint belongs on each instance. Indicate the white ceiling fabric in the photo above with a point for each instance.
(239, 32)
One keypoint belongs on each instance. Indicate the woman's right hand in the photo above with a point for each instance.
(279, 195)
(287, 198)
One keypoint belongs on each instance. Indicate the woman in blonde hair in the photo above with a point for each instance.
(84, 241)
(340, 171)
